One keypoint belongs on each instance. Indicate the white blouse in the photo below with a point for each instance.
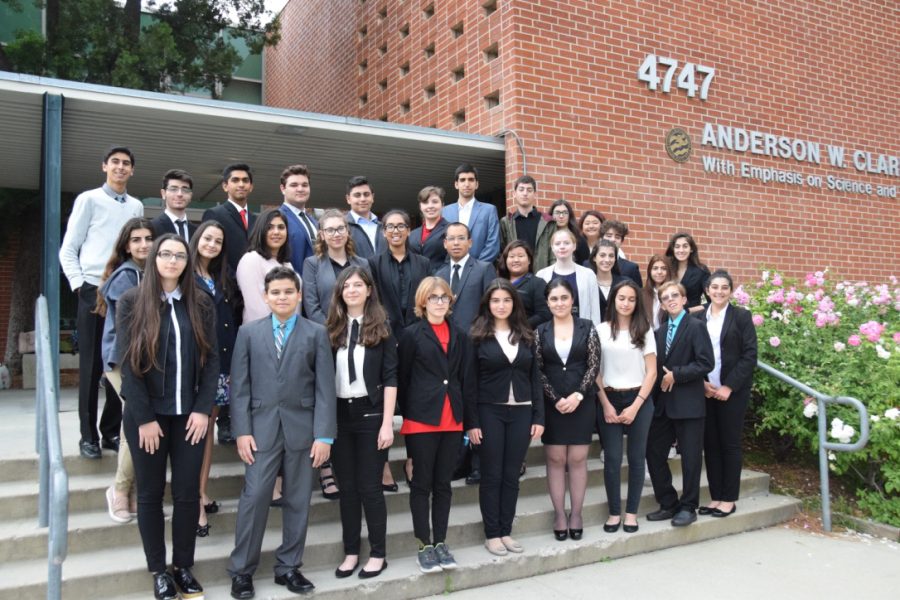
(621, 362)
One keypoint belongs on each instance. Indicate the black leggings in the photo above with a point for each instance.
(150, 479)
(611, 435)
(434, 459)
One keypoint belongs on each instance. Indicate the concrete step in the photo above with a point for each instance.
(122, 570)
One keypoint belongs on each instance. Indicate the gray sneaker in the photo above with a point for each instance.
(448, 563)
(428, 560)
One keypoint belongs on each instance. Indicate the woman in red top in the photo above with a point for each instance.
(435, 373)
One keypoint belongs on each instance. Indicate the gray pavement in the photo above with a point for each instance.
(773, 563)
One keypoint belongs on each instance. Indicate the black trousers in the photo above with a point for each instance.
(150, 479)
(722, 446)
(506, 433)
(434, 459)
(611, 434)
(358, 465)
(689, 433)
(90, 367)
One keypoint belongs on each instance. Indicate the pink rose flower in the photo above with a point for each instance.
(759, 319)
(854, 340)
(777, 280)
(774, 341)
(897, 337)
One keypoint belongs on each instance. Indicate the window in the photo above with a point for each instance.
(430, 91)
(458, 73)
(492, 100)
(491, 52)
(459, 117)
(457, 30)
(489, 6)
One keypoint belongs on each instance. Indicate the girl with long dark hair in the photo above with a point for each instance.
(684, 259)
(267, 248)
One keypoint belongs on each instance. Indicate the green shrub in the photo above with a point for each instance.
(842, 339)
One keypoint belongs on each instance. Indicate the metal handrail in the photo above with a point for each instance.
(824, 445)
(53, 504)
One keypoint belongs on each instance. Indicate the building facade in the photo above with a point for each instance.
(787, 154)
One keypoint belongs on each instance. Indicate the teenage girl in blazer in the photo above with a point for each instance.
(659, 271)
(508, 411)
(733, 338)
(687, 269)
(428, 239)
(604, 261)
(167, 339)
(515, 265)
(435, 374)
(366, 384)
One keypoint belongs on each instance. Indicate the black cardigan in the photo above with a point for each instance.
(426, 374)
(496, 372)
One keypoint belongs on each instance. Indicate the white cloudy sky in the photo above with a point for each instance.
(273, 5)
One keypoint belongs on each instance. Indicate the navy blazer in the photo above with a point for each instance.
(738, 350)
(298, 237)
(226, 323)
(474, 279)
(427, 374)
(690, 359)
(630, 270)
(433, 248)
(496, 373)
(484, 229)
(388, 286)
(162, 225)
(235, 234)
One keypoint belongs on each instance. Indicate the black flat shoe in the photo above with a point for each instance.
(110, 443)
(277, 502)
(629, 528)
(561, 535)
(575, 534)
(390, 487)
(705, 510)
(343, 574)
(608, 528)
(663, 514)
(164, 586)
(721, 513)
(203, 530)
(363, 574)
(211, 508)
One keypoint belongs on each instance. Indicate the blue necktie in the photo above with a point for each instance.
(279, 339)
(670, 336)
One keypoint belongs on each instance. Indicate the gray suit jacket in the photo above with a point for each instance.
(296, 392)
(474, 279)
(318, 284)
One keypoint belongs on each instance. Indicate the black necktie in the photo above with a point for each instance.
(182, 229)
(354, 335)
(454, 281)
(310, 229)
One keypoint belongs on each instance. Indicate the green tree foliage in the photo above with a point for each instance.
(184, 48)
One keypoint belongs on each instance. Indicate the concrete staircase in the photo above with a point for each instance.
(105, 559)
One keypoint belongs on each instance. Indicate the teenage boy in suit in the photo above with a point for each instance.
(685, 357)
(283, 412)
(302, 226)
(479, 217)
(176, 193)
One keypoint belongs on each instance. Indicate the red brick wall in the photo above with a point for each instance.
(594, 134)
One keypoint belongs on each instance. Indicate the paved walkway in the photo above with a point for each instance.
(776, 563)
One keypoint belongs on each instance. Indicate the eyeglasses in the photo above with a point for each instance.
(174, 189)
(442, 299)
(399, 227)
(672, 296)
(333, 231)
(560, 213)
(169, 256)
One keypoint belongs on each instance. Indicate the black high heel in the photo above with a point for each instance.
(561, 535)
(576, 534)
(327, 480)
(203, 530)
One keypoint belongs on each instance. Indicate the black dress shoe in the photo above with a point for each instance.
(110, 443)
(295, 582)
(722, 514)
(473, 478)
(705, 510)
(242, 587)
(187, 585)
(211, 508)
(561, 535)
(612, 528)
(363, 574)
(663, 514)
(390, 487)
(684, 518)
(576, 534)
(164, 587)
(89, 449)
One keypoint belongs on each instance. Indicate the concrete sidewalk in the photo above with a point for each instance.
(773, 563)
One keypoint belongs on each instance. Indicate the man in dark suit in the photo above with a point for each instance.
(236, 219)
(284, 413)
(616, 232)
(365, 229)
(234, 214)
(685, 356)
(301, 224)
(468, 277)
(176, 193)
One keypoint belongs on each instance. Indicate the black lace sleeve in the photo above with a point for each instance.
(589, 381)
(549, 392)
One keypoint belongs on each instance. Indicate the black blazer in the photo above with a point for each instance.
(426, 374)
(388, 285)
(379, 370)
(474, 279)
(226, 323)
(145, 394)
(531, 291)
(630, 270)
(579, 373)
(694, 282)
(364, 248)
(738, 347)
(690, 359)
(604, 302)
(433, 248)
(495, 373)
(235, 234)
(162, 224)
